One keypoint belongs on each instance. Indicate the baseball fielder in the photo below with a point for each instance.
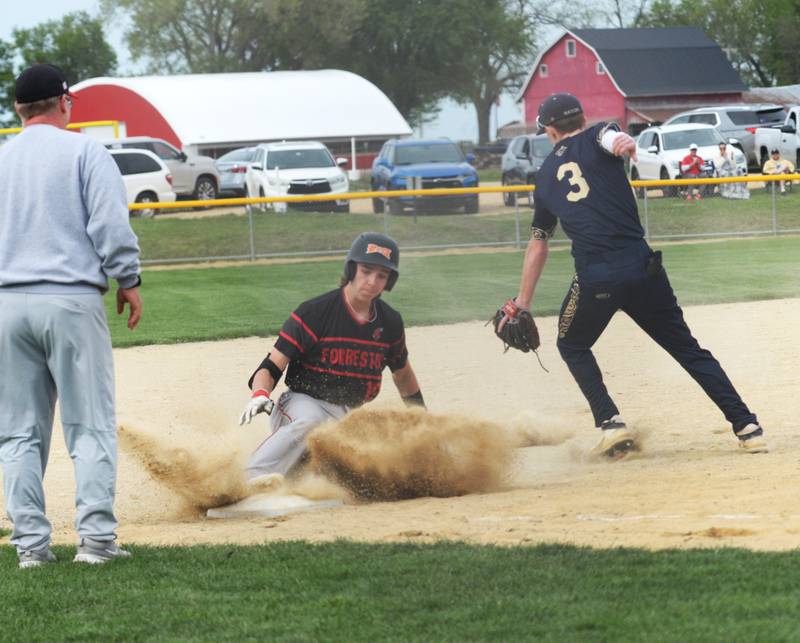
(335, 347)
(582, 184)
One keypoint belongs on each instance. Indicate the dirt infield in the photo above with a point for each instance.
(690, 487)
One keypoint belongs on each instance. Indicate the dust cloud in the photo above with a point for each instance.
(530, 430)
(399, 454)
(382, 454)
(200, 470)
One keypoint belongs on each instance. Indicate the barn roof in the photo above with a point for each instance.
(658, 61)
(263, 106)
(666, 60)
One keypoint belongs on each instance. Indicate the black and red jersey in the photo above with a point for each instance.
(336, 356)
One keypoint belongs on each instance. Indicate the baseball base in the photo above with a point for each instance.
(265, 505)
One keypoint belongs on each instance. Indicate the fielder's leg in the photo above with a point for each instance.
(293, 418)
(27, 402)
(585, 313)
(655, 309)
(81, 362)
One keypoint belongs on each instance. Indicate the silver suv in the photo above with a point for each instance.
(521, 161)
(736, 121)
(195, 177)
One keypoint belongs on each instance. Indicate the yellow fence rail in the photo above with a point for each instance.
(350, 196)
(114, 124)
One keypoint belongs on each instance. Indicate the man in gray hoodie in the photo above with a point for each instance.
(64, 231)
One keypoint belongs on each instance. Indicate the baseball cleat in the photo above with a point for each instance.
(35, 558)
(751, 439)
(616, 441)
(97, 552)
(264, 483)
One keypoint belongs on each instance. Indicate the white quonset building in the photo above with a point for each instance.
(214, 113)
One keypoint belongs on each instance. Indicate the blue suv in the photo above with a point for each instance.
(406, 163)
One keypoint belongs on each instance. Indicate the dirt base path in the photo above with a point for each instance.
(690, 487)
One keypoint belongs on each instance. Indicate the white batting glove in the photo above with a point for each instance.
(259, 403)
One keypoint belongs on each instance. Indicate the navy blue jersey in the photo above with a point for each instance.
(585, 188)
(336, 356)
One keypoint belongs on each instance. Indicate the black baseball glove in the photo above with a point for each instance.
(519, 331)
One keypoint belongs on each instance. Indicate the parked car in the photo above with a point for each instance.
(405, 163)
(232, 168)
(292, 168)
(736, 121)
(194, 177)
(521, 162)
(494, 147)
(661, 149)
(782, 137)
(147, 179)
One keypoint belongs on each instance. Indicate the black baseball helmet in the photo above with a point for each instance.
(376, 249)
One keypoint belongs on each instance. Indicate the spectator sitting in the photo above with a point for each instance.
(725, 165)
(776, 165)
(691, 168)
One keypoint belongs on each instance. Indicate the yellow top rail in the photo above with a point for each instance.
(751, 178)
(114, 124)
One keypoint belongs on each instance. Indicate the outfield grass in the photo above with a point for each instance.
(445, 592)
(215, 303)
(228, 235)
(675, 216)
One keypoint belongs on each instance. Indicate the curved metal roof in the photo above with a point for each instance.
(264, 106)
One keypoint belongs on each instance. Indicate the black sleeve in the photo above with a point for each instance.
(544, 222)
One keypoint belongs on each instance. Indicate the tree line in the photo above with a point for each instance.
(416, 51)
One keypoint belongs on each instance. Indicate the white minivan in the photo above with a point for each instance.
(147, 179)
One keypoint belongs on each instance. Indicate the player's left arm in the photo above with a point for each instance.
(405, 379)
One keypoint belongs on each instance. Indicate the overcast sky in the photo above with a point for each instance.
(459, 123)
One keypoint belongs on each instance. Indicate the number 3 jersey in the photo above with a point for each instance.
(337, 357)
(586, 188)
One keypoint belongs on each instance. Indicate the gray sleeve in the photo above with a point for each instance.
(108, 224)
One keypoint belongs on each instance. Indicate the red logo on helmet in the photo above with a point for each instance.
(374, 247)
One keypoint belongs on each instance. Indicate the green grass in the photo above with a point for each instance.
(444, 592)
(490, 175)
(228, 234)
(674, 216)
(214, 303)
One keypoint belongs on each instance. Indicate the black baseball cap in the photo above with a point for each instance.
(39, 82)
(557, 107)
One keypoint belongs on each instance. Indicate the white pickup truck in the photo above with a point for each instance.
(784, 138)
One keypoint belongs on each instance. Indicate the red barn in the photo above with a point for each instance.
(632, 76)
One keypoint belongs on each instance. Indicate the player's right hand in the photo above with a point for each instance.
(259, 403)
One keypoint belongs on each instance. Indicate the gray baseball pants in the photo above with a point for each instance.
(293, 418)
(56, 346)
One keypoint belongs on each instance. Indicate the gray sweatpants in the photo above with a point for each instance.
(293, 418)
(56, 346)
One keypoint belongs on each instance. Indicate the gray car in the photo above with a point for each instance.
(736, 121)
(521, 160)
(232, 168)
(193, 177)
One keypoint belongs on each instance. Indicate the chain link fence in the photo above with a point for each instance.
(249, 229)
